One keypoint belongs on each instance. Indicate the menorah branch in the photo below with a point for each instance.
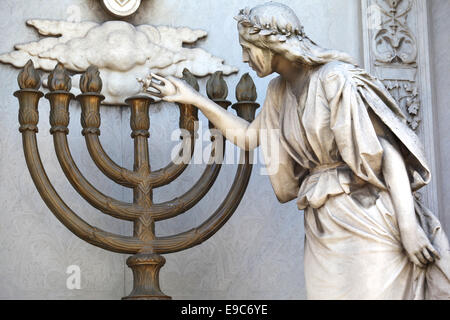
(107, 205)
(90, 120)
(173, 208)
(71, 220)
(223, 213)
(175, 168)
(112, 170)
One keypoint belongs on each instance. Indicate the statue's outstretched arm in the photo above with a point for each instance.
(243, 134)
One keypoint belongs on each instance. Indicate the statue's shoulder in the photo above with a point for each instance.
(276, 89)
(276, 84)
(336, 69)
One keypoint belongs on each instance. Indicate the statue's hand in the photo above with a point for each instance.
(171, 89)
(420, 250)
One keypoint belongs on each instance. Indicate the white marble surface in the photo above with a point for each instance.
(440, 55)
(258, 254)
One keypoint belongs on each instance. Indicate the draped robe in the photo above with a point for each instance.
(323, 151)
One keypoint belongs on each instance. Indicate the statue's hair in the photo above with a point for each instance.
(275, 26)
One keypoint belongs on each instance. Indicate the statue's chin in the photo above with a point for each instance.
(263, 74)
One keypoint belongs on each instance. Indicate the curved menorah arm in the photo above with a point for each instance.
(59, 120)
(173, 208)
(90, 120)
(122, 176)
(108, 205)
(71, 220)
(175, 168)
(208, 228)
(188, 125)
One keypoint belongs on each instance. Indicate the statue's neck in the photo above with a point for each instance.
(297, 75)
(299, 81)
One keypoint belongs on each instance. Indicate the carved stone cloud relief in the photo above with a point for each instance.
(121, 51)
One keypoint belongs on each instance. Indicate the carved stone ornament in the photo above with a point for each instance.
(394, 53)
(121, 51)
(121, 8)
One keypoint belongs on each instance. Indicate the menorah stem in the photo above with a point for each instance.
(144, 226)
(143, 192)
(146, 277)
(146, 264)
(140, 124)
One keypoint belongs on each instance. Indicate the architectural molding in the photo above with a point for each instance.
(396, 50)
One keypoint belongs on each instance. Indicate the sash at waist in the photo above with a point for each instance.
(323, 182)
(326, 167)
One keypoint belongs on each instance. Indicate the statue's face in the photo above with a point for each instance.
(259, 59)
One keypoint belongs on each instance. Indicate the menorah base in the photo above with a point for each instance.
(146, 277)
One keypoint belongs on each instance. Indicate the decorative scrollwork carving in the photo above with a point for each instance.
(406, 94)
(394, 51)
(394, 42)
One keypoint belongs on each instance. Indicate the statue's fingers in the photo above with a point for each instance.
(421, 258)
(416, 261)
(434, 251)
(427, 255)
(155, 93)
(159, 78)
(158, 87)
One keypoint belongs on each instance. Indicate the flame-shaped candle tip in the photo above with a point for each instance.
(216, 87)
(246, 89)
(59, 79)
(29, 77)
(90, 81)
(190, 79)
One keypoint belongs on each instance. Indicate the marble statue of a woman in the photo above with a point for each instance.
(348, 157)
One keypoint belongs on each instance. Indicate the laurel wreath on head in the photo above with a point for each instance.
(269, 29)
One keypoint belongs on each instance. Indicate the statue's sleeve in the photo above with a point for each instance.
(285, 174)
(355, 136)
(351, 93)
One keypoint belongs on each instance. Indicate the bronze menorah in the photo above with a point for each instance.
(146, 248)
